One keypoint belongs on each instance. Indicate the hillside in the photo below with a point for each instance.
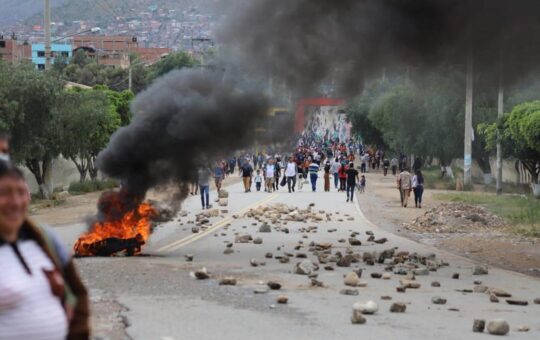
(20, 10)
(102, 12)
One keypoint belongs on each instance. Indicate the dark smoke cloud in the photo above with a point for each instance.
(306, 42)
(181, 122)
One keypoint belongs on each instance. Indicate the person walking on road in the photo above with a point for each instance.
(342, 172)
(269, 175)
(247, 172)
(290, 173)
(352, 179)
(404, 181)
(204, 175)
(386, 165)
(219, 175)
(334, 169)
(394, 165)
(327, 176)
(362, 186)
(418, 188)
(313, 175)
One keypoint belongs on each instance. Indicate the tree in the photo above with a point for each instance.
(120, 101)
(29, 116)
(85, 120)
(174, 61)
(519, 134)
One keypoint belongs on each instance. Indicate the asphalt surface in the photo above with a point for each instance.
(162, 300)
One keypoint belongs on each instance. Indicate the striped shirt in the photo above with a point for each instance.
(313, 168)
(28, 309)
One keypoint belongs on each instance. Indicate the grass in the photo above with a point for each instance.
(522, 212)
(79, 188)
(433, 179)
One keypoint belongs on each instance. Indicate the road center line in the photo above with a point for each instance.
(218, 225)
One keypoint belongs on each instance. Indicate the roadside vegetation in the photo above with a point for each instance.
(79, 188)
(522, 212)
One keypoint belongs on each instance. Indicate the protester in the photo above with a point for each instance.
(302, 175)
(418, 188)
(394, 165)
(334, 169)
(258, 180)
(219, 175)
(404, 186)
(352, 179)
(247, 173)
(277, 173)
(327, 176)
(313, 175)
(41, 295)
(203, 175)
(386, 165)
(290, 173)
(269, 175)
(342, 172)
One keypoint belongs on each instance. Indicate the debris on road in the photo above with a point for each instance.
(498, 327)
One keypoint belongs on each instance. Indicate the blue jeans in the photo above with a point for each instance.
(336, 180)
(313, 178)
(350, 189)
(205, 193)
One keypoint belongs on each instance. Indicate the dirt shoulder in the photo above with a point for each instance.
(494, 246)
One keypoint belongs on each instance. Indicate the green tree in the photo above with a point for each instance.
(85, 120)
(519, 134)
(29, 115)
(174, 61)
(120, 102)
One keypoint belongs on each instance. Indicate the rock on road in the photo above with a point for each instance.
(163, 301)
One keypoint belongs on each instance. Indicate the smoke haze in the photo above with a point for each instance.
(306, 42)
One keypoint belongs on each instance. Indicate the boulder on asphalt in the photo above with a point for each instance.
(493, 298)
(227, 281)
(499, 293)
(265, 228)
(201, 274)
(537, 301)
(480, 270)
(367, 308)
(354, 241)
(282, 299)
(523, 328)
(223, 194)
(305, 267)
(345, 261)
(223, 202)
(435, 284)
(189, 257)
(228, 251)
(478, 326)
(437, 300)
(398, 307)
(243, 238)
(357, 318)
(409, 284)
(348, 291)
(498, 327)
(351, 279)
(257, 240)
(517, 302)
(274, 285)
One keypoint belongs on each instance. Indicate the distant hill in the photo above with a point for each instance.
(12, 11)
(103, 11)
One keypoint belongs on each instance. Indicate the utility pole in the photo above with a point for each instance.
(130, 80)
(500, 109)
(467, 158)
(47, 24)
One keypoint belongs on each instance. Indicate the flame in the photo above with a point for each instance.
(133, 224)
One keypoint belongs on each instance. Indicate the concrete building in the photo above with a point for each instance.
(13, 51)
(57, 50)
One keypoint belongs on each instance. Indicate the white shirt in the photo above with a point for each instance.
(28, 309)
(291, 169)
(270, 168)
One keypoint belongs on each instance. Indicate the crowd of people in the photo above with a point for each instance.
(314, 159)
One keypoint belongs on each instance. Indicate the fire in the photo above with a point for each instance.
(120, 230)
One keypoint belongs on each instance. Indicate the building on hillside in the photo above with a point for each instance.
(63, 50)
(107, 50)
(13, 51)
(150, 55)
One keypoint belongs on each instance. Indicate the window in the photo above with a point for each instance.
(65, 54)
(41, 54)
(2, 44)
(41, 66)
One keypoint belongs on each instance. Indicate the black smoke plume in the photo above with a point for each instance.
(181, 122)
(307, 42)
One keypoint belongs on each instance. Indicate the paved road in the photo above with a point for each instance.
(164, 302)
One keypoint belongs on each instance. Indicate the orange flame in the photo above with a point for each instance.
(134, 224)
